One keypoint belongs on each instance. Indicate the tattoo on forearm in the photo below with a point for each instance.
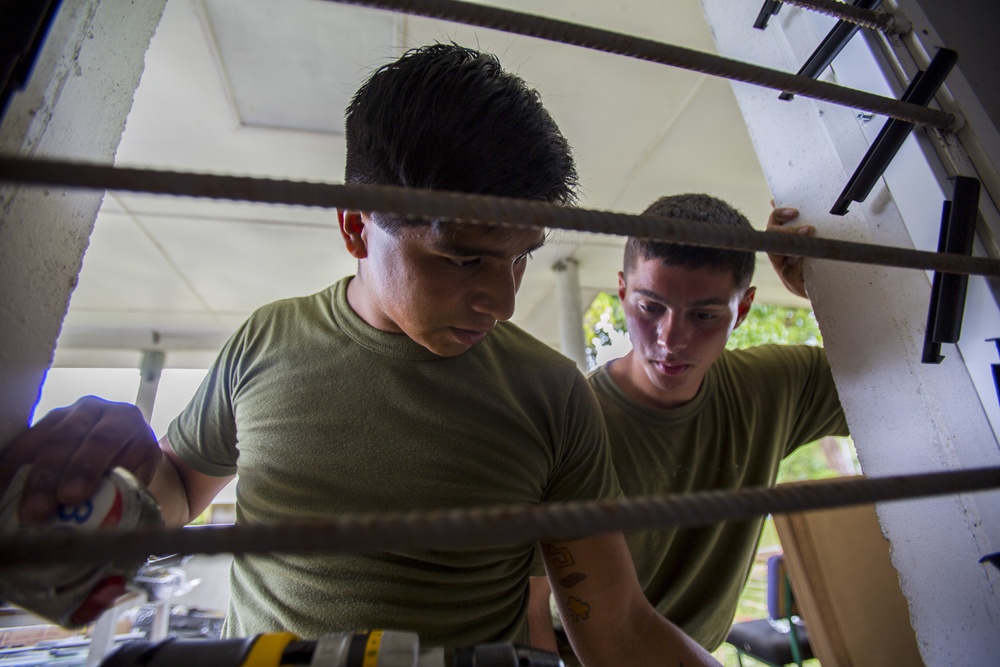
(578, 609)
(571, 580)
(561, 557)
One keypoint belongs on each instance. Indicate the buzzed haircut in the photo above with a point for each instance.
(702, 208)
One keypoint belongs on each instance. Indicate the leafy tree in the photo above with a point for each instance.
(776, 324)
(604, 316)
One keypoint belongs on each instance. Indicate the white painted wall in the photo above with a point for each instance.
(75, 107)
(904, 416)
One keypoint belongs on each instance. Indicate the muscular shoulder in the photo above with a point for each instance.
(286, 311)
(510, 341)
(765, 363)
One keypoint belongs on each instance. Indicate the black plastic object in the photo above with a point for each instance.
(996, 371)
(958, 229)
(23, 26)
(354, 652)
(831, 45)
(993, 558)
(184, 652)
(920, 91)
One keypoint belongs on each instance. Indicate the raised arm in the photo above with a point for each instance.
(71, 448)
(789, 269)
(608, 620)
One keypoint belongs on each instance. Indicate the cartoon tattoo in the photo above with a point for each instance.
(578, 609)
(561, 557)
(571, 580)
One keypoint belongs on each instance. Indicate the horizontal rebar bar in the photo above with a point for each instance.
(608, 41)
(866, 18)
(477, 209)
(488, 527)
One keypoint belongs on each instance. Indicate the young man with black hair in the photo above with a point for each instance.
(686, 415)
(400, 388)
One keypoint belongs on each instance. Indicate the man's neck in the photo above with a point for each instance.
(630, 376)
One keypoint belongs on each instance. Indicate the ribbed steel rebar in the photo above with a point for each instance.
(481, 528)
(658, 52)
(477, 209)
(866, 18)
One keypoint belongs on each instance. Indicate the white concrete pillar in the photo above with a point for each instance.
(150, 369)
(571, 339)
(904, 416)
(74, 107)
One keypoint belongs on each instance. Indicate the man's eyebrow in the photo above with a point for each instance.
(452, 247)
(713, 301)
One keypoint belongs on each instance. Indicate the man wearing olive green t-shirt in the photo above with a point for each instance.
(685, 415)
(401, 387)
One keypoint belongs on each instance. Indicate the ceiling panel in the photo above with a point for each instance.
(237, 266)
(225, 79)
(276, 58)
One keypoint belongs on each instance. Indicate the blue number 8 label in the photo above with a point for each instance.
(77, 513)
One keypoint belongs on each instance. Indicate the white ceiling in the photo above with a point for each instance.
(257, 87)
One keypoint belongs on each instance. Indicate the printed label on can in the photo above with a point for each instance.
(73, 594)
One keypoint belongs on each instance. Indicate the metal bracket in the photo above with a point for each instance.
(831, 45)
(958, 230)
(920, 91)
(993, 558)
(995, 367)
(770, 8)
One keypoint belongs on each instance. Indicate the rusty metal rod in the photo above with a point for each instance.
(666, 54)
(477, 209)
(481, 528)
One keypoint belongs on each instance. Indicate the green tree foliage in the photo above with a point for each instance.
(604, 316)
(776, 324)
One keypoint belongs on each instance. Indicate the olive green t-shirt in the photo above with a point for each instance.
(322, 415)
(754, 407)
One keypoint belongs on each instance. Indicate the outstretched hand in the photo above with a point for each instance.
(71, 448)
(789, 268)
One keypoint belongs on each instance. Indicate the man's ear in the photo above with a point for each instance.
(621, 286)
(743, 309)
(352, 227)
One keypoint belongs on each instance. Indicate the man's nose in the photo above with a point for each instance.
(673, 334)
(495, 293)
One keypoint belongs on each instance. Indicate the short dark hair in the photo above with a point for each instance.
(446, 117)
(704, 208)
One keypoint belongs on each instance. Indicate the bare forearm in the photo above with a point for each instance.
(670, 646)
(182, 492)
(648, 639)
(609, 621)
(168, 489)
(540, 628)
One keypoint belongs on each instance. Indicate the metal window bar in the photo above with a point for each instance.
(947, 303)
(892, 135)
(832, 44)
(769, 9)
